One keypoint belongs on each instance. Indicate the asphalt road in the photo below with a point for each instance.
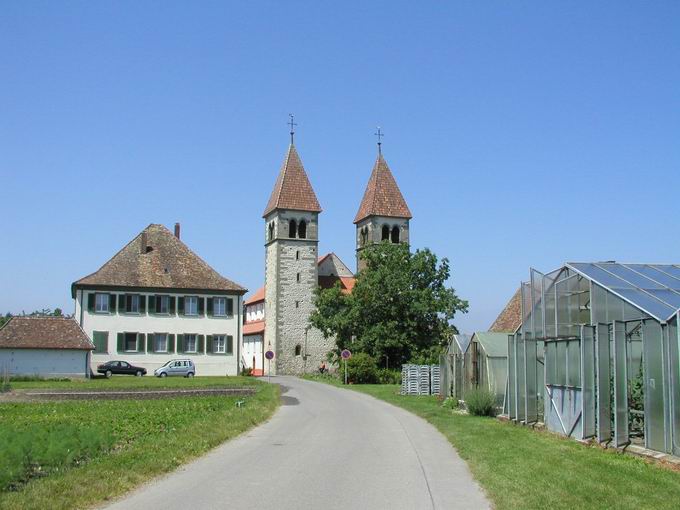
(326, 448)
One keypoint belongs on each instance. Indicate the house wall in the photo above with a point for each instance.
(253, 348)
(333, 266)
(44, 362)
(255, 312)
(116, 322)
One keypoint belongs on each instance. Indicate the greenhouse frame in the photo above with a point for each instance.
(451, 363)
(596, 355)
(485, 364)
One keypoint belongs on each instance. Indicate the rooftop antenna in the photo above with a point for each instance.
(379, 134)
(292, 125)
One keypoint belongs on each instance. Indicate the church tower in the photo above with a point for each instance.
(291, 272)
(383, 214)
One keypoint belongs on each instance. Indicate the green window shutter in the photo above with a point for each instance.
(230, 344)
(180, 305)
(90, 302)
(208, 343)
(121, 342)
(152, 304)
(142, 304)
(112, 303)
(100, 341)
(230, 307)
(201, 306)
(149, 342)
(171, 343)
(171, 305)
(210, 307)
(140, 342)
(121, 303)
(180, 344)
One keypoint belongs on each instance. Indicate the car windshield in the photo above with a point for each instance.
(167, 363)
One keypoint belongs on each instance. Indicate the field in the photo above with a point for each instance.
(73, 454)
(522, 468)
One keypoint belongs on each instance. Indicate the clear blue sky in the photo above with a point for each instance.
(521, 133)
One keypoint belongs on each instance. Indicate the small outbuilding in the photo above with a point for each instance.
(44, 347)
(451, 364)
(486, 363)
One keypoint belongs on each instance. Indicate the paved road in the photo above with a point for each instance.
(326, 448)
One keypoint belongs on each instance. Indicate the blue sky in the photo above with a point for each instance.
(521, 133)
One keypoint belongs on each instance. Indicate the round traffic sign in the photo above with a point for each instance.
(346, 354)
(269, 354)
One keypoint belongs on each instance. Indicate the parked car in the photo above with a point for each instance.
(183, 367)
(120, 367)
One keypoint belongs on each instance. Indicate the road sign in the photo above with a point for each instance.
(269, 355)
(346, 354)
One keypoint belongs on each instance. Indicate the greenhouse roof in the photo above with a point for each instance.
(494, 344)
(463, 341)
(653, 288)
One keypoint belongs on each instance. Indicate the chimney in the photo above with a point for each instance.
(177, 230)
(142, 247)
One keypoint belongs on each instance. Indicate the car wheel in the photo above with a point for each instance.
(108, 374)
(138, 373)
(163, 374)
(190, 374)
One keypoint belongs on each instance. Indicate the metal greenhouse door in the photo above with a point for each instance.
(652, 348)
(604, 406)
(588, 380)
(620, 385)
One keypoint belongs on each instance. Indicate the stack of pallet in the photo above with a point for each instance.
(420, 379)
(409, 380)
(435, 380)
(424, 380)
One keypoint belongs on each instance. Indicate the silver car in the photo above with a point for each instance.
(183, 367)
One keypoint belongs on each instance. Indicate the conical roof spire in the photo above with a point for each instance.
(292, 189)
(382, 196)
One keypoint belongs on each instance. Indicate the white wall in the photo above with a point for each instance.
(114, 323)
(44, 362)
(255, 312)
(252, 347)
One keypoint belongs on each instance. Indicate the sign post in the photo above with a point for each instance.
(270, 356)
(345, 355)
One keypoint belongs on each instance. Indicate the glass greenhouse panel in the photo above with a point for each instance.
(652, 345)
(512, 380)
(531, 410)
(588, 380)
(656, 275)
(598, 304)
(573, 368)
(636, 279)
(520, 374)
(603, 359)
(620, 385)
(658, 309)
(674, 344)
(671, 270)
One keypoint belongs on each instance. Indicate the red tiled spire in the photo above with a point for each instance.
(292, 189)
(382, 196)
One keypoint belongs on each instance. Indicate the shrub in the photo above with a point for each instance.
(361, 369)
(450, 403)
(388, 376)
(246, 371)
(480, 402)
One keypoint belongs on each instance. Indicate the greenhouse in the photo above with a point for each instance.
(485, 364)
(596, 355)
(451, 364)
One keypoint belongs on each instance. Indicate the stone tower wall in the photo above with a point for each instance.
(374, 225)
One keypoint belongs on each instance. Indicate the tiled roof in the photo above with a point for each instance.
(43, 333)
(346, 282)
(511, 316)
(292, 189)
(253, 328)
(255, 298)
(382, 196)
(164, 262)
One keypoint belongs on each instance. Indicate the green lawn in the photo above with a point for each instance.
(75, 454)
(123, 382)
(522, 468)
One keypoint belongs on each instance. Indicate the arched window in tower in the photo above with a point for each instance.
(363, 236)
(395, 234)
(271, 231)
(385, 233)
(292, 229)
(302, 229)
(298, 349)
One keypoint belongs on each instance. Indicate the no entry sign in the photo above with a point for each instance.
(346, 354)
(269, 355)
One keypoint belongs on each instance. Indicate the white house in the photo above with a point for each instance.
(156, 300)
(44, 347)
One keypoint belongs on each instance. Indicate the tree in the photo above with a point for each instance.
(399, 308)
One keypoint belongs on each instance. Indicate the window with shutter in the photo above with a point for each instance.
(101, 303)
(219, 306)
(190, 343)
(90, 302)
(100, 339)
(230, 307)
(230, 344)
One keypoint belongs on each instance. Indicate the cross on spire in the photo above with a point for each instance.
(292, 125)
(379, 134)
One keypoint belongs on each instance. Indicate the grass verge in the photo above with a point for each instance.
(122, 382)
(136, 440)
(522, 468)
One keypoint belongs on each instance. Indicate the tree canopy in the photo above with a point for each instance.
(399, 308)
